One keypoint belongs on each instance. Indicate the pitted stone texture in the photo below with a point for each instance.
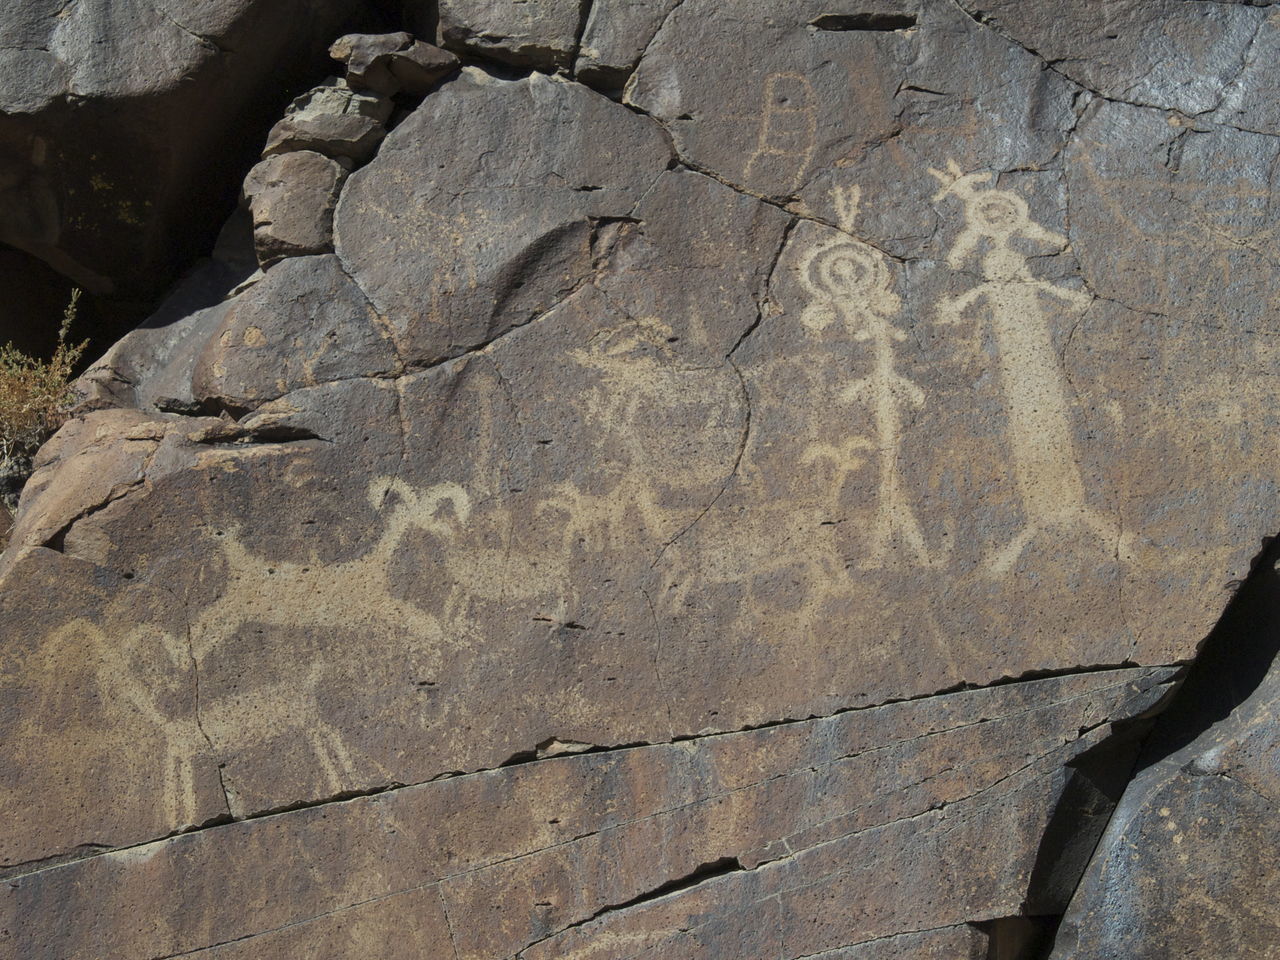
(808, 810)
(497, 239)
(113, 124)
(1167, 54)
(616, 34)
(535, 33)
(292, 198)
(304, 324)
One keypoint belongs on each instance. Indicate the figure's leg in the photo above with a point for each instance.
(1119, 543)
(909, 530)
(1003, 560)
(334, 757)
(180, 790)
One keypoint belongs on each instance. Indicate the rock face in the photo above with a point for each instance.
(1182, 870)
(682, 505)
(291, 197)
(534, 33)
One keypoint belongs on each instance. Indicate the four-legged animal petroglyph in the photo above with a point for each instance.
(788, 132)
(636, 375)
(149, 675)
(146, 672)
(293, 595)
(850, 284)
(850, 281)
(1039, 415)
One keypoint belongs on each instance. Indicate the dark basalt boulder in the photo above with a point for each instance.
(116, 167)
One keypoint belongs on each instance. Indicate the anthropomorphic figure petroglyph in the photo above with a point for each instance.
(1039, 415)
(850, 282)
(788, 132)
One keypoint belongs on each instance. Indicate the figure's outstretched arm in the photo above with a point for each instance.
(951, 309)
(1077, 298)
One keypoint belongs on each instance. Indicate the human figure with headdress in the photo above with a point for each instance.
(1039, 415)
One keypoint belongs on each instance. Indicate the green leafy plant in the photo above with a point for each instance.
(35, 396)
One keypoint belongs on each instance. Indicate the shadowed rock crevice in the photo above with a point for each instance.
(1234, 660)
(1017, 938)
(1199, 770)
(872, 22)
(120, 180)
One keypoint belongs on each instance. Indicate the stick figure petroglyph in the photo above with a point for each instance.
(850, 282)
(1039, 415)
(788, 131)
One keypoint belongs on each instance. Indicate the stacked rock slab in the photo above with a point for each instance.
(329, 131)
(760, 518)
(542, 34)
(392, 63)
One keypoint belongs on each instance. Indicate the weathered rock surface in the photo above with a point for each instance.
(759, 518)
(495, 239)
(535, 33)
(115, 164)
(781, 832)
(291, 198)
(1184, 869)
(614, 38)
(332, 119)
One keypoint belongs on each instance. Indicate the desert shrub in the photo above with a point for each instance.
(34, 397)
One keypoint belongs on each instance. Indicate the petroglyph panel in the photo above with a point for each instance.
(789, 119)
(718, 504)
(850, 284)
(788, 133)
(877, 361)
(100, 714)
(694, 519)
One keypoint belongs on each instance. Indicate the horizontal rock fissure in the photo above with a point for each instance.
(867, 22)
(523, 758)
(704, 873)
